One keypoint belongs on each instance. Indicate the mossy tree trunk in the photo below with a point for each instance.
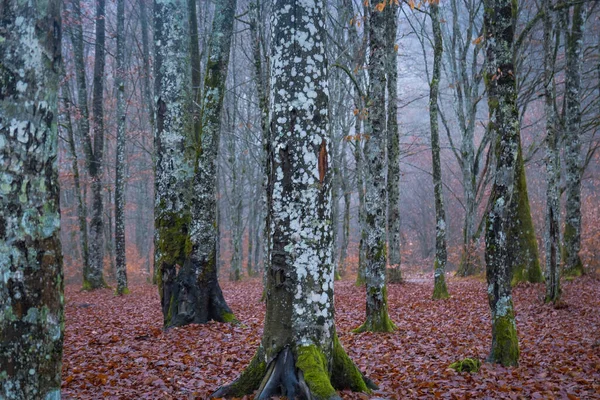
(504, 126)
(552, 228)
(572, 139)
(393, 145)
(300, 355)
(31, 287)
(121, 264)
(377, 318)
(440, 291)
(526, 262)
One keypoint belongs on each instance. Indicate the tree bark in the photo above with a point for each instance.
(440, 291)
(300, 355)
(393, 146)
(377, 318)
(31, 288)
(552, 228)
(573, 160)
(504, 127)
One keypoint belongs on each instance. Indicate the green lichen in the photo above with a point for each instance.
(440, 290)
(466, 365)
(344, 373)
(575, 270)
(505, 344)
(379, 321)
(313, 364)
(122, 292)
(173, 243)
(229, 317)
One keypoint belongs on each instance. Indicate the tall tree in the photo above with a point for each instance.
(121, 264)
(377, 318)
(440, 291)
(300, 355)
(31, 288)
(504, 127)
(572, 139)
(552, 229)
(95, 279)
(195, 294)
(393, 145)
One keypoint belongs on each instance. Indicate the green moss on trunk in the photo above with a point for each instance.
(248, 381)
(505, 344)
(344, 373)
(577, 269)
(440, 290)
(313, 364)
(394, 275)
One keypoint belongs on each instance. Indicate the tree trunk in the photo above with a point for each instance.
(121, 263)
(393, 146)
(300, 355)
(31, 288)
(173, 173)
(504, 126)
(95, 279)
(346, 213)
(552, 229)
(574, 163)
(440, 291)
(196, 296)
(377, 318)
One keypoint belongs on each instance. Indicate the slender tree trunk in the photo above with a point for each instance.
(121, 264)
(95, 279)
(300, 355)
(574, 163)
(440, 291)
(504, 125)
(393, 146)
(377, 318)
(552, 229)
(346, 213)
(31, 288)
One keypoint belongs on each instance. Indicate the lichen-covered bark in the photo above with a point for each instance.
(31, 280)
(172, 172)
(298, 350)
(552, 228)
(120, 167)
(504, 127)
(440, 291)
(572, 140)
(377, 318)
(393, 144)
(524, 246)
(95, 278)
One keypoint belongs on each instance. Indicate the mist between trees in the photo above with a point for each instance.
(298, 143)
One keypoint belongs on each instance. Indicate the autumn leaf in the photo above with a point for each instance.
(379, 7)
(478, 40)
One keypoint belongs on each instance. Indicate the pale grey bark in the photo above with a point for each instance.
(31, 279)
(552, 228)
(121, 263)
(572, 140)
(504, 128)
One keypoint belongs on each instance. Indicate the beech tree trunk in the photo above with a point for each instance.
(572, 139)
(300, 355)
(393, 145)
(504, 126)
(440, 291)
(377, 318)
(31, 287)
(552, 228)
(121, 264)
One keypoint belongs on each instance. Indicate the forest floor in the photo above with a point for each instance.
(115, 347)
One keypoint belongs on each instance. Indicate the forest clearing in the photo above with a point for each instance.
(115, 347)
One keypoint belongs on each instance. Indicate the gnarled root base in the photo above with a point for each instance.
(301, 376)
(505, 344)
(378, 323)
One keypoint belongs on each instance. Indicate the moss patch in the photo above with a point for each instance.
(229, 317)
(505, 344)
(250, 378)
(466, 365)
(344, 373)
(440, 290)
(311, 361)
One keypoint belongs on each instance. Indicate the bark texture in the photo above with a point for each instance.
(299, 356)
(440, 291)
(572, 140)
(31, 281)
(377, 318)
(121, 264)
(504, 127)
